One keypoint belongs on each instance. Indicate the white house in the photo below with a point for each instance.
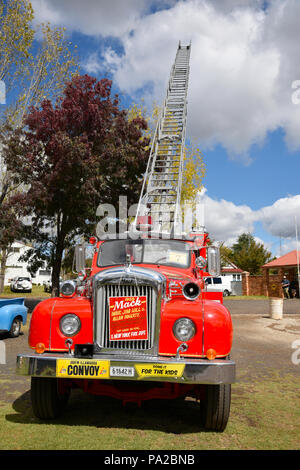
(232, 276)
(231, 272)
(14, 267)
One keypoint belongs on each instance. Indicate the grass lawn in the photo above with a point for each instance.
(37, 292)
(264, 416)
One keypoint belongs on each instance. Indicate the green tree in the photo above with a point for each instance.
(16, 38)
(248, 254)
(72, 156)
(36, 70)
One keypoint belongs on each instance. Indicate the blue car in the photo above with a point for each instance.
(12, 314)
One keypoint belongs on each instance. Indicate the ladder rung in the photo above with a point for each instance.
(163, 195)
(167, 172)
(163, 203)
(167, 161)
(164, 180)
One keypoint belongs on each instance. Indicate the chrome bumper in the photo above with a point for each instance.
(162, 369)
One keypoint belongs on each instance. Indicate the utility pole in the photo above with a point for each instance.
(280, 245)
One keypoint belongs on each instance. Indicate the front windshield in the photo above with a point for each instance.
(162, 252)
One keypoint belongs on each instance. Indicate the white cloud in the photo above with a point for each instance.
(96, 17)
(244, 59)
(225, 221)
(92, 64)
(279, 218)
(232, 80)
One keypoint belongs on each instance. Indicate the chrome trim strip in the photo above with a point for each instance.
(134, 277)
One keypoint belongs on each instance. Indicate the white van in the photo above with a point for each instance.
(218, 284)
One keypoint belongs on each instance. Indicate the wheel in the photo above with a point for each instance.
(15, 328)
(215, 408)
(47, 402)
(226, 293)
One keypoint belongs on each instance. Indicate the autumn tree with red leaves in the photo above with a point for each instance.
(72, 156)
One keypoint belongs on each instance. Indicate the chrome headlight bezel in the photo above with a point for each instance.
(75, 326)
(187, 325)
(71, 285)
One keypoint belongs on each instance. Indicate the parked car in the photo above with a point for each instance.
(218, 284)
(21, 284)
(12, 314)
(48, 285)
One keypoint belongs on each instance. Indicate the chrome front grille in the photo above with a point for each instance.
(102, 317)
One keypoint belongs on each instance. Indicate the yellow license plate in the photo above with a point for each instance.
(82, 369)
(160, 370)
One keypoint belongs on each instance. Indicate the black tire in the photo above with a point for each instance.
(215, 408)
(15, 328)
(47, 402)
(226, 293)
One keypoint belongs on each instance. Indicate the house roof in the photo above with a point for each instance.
(230, 270)
(290, 259)
(230, 267)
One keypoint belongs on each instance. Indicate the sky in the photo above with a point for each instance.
(243, 99)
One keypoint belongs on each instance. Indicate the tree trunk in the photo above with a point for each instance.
(3, 260)
(57, 262)
(56, 273)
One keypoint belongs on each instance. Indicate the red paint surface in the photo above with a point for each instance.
(216, 329)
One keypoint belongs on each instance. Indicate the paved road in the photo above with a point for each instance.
(260, 307)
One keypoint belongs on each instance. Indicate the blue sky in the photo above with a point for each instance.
(244, 60)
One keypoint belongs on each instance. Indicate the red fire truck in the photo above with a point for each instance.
(139, 323)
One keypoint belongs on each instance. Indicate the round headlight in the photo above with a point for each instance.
(68, 288)
(191, 291)
(184, 329)
(69, 324)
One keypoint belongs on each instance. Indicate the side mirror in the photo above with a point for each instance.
(79, 258)
(200, 262)
(213, 261)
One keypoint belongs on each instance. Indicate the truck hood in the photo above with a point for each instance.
(173, 273)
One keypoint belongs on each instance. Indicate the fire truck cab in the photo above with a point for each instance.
(139, 324)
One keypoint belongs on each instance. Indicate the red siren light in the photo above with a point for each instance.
(144, 222)
(92, 240)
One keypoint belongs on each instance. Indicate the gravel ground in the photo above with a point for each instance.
(261, 345)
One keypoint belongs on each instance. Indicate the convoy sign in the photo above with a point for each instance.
(82, 369)
(128, 318)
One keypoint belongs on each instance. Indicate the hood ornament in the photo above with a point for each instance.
(128, 262)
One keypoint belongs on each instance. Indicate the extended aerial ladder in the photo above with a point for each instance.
(161, 190)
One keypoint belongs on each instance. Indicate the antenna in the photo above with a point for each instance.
(280, 244)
